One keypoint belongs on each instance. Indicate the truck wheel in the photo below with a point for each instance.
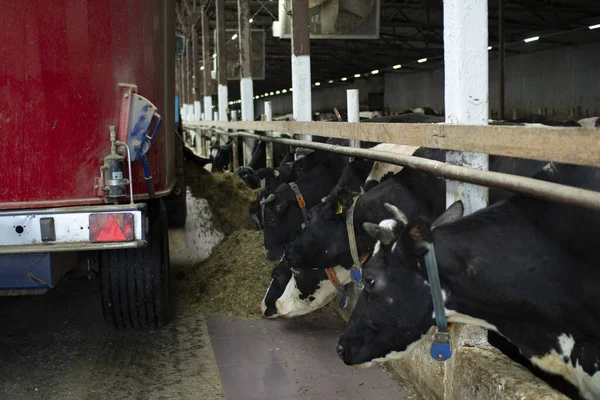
(176, 204)
(135, 282)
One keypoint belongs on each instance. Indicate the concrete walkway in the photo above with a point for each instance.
(291, 359)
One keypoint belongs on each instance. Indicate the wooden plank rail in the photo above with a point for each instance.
(568, 145)
(537, 188)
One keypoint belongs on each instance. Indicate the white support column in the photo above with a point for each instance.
(301, 84)
(223, 100)
(269, 117)
(246, 84)
(466, 88)
(197, 111)
(353, 105)
(466, 102)
(208, 107)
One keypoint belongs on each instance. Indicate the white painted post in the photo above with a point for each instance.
(215, 115)
(221, 65)
(246, 84)
(208, 107)
(301, 85)
(234, 115)
(353, 105)
(466, 88)
(466, 94)
(269, 117)
(197, 110)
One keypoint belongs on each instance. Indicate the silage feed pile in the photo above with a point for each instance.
(234, 279)
(227, 196)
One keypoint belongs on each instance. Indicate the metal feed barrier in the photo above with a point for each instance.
(555, 144)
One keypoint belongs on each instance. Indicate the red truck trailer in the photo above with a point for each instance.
(89, 149)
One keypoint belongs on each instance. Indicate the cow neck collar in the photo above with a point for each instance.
(441, 348)
(356, 269)
(300, 200)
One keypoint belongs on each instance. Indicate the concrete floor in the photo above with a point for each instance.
(57, 346)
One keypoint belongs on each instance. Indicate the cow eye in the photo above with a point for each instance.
(369, 283)
(271, 220)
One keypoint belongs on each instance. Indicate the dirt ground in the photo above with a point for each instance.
(57, 346)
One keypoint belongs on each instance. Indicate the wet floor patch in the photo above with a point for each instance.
(291, 359)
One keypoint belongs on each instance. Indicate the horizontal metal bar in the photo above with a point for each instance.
(534, 187)
(64, 247)
(567, 145)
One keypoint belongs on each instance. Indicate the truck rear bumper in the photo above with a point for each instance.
(73, 229)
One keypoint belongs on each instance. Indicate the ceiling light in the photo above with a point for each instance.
(397, 66)
(594, 26)
(272, 93)
(421, 60)
(375, 72)
(317, 83)
(202, 68)
(357, 75)
(214, 56)
(344, 79)
(284, 91)
(251, 20)
(290, 89)
(278, 92)
(235, 36)
(330, 81)
(489, 47)
(531, 39)
(266, 94)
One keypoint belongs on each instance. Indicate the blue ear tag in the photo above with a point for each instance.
(441, 349)
(344, 301)
(356, 275)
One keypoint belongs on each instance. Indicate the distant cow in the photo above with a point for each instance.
(525, 268)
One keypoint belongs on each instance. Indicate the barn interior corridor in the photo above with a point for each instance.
(57, 346)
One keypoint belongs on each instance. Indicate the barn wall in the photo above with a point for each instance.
(325, 98)
(557, 79)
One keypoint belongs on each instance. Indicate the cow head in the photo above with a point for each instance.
(282, 220)
(395, 310)
(325, 241)
(308, 290)
(281, 275)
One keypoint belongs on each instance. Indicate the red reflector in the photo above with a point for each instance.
(111, 227)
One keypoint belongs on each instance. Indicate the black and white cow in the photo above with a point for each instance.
(524, 267)
(352, 178)
(324, 244)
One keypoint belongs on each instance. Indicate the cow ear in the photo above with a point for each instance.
(384, 235)
(416, 235)
(453, 213)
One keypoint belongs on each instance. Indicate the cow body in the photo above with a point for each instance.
(523, 267)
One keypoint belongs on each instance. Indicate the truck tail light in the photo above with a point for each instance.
(114, 227)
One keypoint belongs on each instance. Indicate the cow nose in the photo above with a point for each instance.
(340, 351)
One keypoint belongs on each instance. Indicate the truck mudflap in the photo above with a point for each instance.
(73, 229)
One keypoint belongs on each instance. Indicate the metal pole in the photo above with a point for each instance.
(269, 117)
(221, 63)
(353, 102)
(466, 88)
(534, 187)
(206, 60)
(189, 73)
(246, 85)
(501, 58)
(301, 85)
